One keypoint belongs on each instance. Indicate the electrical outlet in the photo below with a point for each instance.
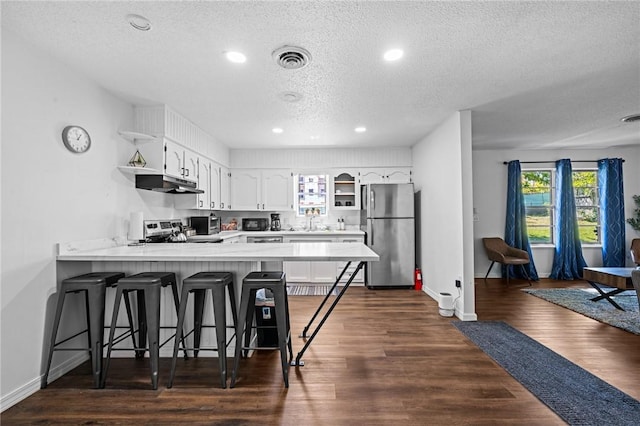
(458, 284)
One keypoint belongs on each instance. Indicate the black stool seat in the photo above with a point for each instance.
(275, 281)
(146, 278)
(199, 284)
(148, 286)
(94, 286)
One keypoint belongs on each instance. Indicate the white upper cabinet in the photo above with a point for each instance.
(261, 189)
(214, 187)
(225, 188)
(385, 175)
(399, 175)
(204, 183)
(277, 190)
(180, 161)
(245, 189)
(190, 165)
(173, 158)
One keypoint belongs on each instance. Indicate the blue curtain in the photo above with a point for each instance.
(567, 260)
(611, 196)
(515, 231)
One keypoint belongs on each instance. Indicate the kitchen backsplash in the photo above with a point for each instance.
(290, 220)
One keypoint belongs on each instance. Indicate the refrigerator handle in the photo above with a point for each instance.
(371, 242)
(373, 200)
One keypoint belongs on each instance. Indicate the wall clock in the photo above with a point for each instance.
(76, 139)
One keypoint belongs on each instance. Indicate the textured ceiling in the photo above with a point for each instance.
(535, 74)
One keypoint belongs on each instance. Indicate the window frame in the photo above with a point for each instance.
(298, 194)
(550, 208)
(552, 205)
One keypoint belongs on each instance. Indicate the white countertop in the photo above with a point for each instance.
(240, 252)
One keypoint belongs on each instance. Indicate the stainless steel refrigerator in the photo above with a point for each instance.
(387, 217)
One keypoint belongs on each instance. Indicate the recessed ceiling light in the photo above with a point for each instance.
(393, 54)
(360, 129)
(139, 22)
(314, 137)
(277, 130)
(236, 57)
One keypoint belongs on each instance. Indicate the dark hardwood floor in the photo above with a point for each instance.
(384, 357)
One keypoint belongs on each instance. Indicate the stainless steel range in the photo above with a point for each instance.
(163, 231)
(173, 231)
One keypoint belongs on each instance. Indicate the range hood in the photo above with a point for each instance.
(167, 184)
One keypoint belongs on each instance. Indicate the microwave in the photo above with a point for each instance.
(256, 224)
(205, 225)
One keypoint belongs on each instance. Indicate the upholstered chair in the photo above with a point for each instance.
(499, 251)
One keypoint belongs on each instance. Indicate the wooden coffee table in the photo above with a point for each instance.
(619, 278)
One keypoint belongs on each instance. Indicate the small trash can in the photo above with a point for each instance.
(446, 305)
(266, 320)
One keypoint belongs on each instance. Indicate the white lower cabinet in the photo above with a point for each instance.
(297, 272)
(310, 272)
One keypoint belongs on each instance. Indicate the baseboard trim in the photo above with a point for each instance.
(33, 385)
(458, 313)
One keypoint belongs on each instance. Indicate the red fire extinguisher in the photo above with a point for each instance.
(417, 279)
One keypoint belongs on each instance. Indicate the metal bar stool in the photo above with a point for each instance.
(147, 285)
(199, 284)
(93, 285)
(276, 282)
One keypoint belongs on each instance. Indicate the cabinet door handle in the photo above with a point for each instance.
(222, 205)
(258, 206)
(262, 206)
(201, 203)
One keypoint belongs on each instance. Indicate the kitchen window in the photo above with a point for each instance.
(538, 189)
(311, 195)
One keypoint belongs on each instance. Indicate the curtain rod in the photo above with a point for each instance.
(553, 161)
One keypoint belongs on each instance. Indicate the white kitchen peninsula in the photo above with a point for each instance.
(186, 259)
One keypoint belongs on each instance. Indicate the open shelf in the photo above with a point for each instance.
(344, 191)
(138, 170)
(136, 137)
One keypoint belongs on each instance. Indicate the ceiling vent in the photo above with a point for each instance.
(292, 57)
(631, 118)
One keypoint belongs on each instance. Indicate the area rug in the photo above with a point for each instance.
(574, 394)
(310, 290)
(577, 299)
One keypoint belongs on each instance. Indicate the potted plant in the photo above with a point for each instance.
(635, 220)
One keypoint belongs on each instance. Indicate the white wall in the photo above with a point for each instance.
(440, 171)
(489, 194)
(320, 159)
(50, 195)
